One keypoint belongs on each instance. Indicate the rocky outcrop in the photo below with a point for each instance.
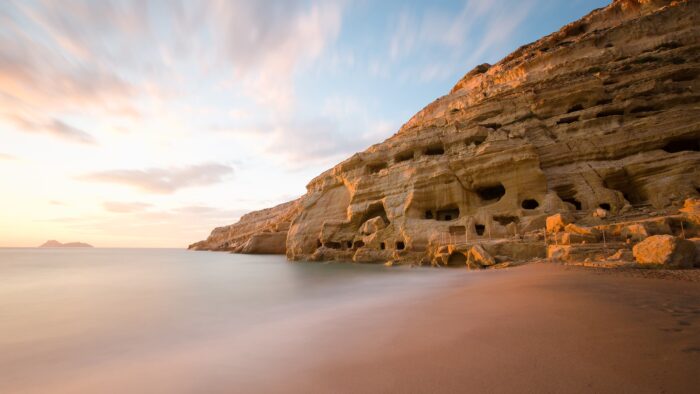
(665, 250)
(259, 232)
(598, 122)
(55, 244)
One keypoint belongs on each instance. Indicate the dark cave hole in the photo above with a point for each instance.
(404, 156)
(358, 244)
(447, 214)
(349, 244)
(479, 228)
(375, 168)
(575, 108)
(373, 211)
(457, 259)
(428, 214)
(605, 206)
(434, 151)
(567, 193)
(643, 108)
(530, 204)
(477, 140)
(567, 120)
(382, 246)
(492, 126)
(573, 201)
(625, 184)
(610, 112)
(400, 245)
(493, 192)
(318, 243)
(332, 245)
(681, 145)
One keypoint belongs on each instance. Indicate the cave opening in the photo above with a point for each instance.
(479, 228)
(576, 203)
(435, 150)
(682, 145)
(349, 244)
(577, 107)
(382, 246)
(375, 210)
(318, 243)
(476, 140)
(567, 120)
(622, 182)
(376, 167)
(358, 244)
(567, 193)
(429, 214)
(530, 204)
(447, 214)
(604, 206)
(610, 112)
(457, 259)
(400, 245)
(332, 245)
(491, 192)
(403, 156)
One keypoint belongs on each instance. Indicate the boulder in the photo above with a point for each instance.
(373, 225)
(665, 250)
(635, 232)
(478, 255)
(558, 222)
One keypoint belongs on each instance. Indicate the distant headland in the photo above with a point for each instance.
(55, 244)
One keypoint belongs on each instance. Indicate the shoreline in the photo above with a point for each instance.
(532, 328)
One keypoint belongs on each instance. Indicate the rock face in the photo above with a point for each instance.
(263, 232)
(55, 244)
(598, 122)
(665, 250)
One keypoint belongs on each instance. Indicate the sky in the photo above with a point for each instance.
(149, 123)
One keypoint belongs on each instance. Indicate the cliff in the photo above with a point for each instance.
(599, 122)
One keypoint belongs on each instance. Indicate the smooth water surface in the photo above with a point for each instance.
(136, 319)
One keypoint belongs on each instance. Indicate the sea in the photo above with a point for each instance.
(96, 320)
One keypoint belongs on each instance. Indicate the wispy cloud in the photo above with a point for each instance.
(54, 127)
(163, 180)
(125, 207)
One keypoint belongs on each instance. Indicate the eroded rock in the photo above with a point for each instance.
(598, 118)
(665, 250)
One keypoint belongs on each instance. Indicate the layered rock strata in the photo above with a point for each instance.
(599, 122)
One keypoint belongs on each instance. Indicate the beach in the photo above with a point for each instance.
(181, 322)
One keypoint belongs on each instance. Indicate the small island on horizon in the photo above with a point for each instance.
(55, 244)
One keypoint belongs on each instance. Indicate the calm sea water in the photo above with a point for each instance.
(162, 320)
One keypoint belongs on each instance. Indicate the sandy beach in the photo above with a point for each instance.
(537, 328)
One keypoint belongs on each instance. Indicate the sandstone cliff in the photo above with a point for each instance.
(599, 121)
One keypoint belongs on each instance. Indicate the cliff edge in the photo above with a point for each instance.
(598, 122)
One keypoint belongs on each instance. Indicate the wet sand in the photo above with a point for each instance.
(532, 329)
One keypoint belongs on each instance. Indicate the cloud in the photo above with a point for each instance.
(163, 180)
(124, 207)
(5, 156)
(322, 140)
(455, 38)
(54, 127)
